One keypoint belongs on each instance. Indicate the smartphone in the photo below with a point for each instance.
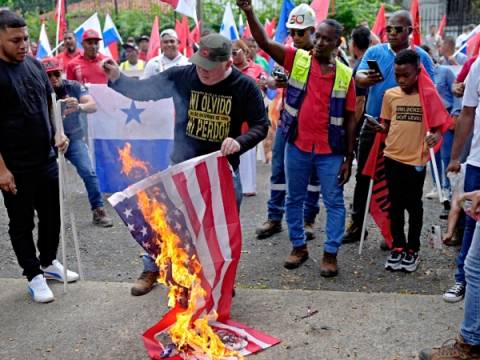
(373, 65)
(373, 120)
(279, 74)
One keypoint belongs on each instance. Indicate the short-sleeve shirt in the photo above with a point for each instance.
(254, 70)
(405, 141)
(71, 124)
(471, 98)
(444, 79)
(314, 114)
(65, 57)
(87, 71)
(385, 58)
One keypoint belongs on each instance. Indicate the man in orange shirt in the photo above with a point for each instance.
(87, 67)
(71, 51)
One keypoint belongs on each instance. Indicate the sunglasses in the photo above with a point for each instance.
(395, 29)
(299, 33)
(235, 52)
(56, 74)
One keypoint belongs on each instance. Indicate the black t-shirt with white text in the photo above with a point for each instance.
(204, 115)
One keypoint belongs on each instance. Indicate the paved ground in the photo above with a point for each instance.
(370, 325)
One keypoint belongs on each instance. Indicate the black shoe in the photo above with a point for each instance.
(410, 261)
(353, 233)
(394, 260)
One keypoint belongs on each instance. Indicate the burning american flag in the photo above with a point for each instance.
(187, 219)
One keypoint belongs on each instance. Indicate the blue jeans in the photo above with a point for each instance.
(149, 262)
(276, 203)
(470, 328)
(77, 154)
(472, 182)
(299, 165)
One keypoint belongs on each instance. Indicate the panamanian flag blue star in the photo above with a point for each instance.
(146, 125)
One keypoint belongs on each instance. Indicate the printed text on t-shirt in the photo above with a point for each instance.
(409, 113)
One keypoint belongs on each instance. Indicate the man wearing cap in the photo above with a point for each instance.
(318, 123)
(28, 166)
(170, 55)
(87, 67)
(212, 101)
(78, 101)
(133, 66)
(301, 23)
(143, 42)
(70, 49)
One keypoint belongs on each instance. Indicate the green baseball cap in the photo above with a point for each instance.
(213, 49)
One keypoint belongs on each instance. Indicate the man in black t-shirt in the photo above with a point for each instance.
(212, 100)
(28, 167)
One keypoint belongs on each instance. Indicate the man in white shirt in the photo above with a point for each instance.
(170, 55)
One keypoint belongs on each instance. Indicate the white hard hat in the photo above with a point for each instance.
(301, 17)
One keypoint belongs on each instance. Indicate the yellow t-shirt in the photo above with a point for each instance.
(405, 141)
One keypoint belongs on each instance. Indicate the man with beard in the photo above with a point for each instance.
(70, 49)
(319, 125)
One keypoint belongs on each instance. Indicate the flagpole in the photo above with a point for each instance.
(473, 32)
(367, 209)
(59, 14)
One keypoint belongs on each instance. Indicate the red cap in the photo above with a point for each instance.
(90, 34)
(51, 64)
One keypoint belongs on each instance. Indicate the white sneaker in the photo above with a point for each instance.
(433, 194)
(39, 290)
(55, 272)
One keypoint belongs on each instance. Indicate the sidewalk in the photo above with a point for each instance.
(101, 320)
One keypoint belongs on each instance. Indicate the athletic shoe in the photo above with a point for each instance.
(410, 261)
(394, 260)
(432, 194)
(55, 272)
(455, 294)
(39, 290)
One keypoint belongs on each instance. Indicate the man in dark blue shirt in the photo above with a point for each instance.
(78, 101)
(28, 167)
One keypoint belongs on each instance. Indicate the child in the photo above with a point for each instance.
(406, 153)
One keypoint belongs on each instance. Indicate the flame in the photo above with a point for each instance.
(180, 272)
(129, 163)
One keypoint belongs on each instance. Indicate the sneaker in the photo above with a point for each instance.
(328, 267)
(296, 258)
(452, 349)
(55, 272)
(432, 194)
(39, 290)
(353, 233)
(101, 219)
(145, 283)
(268, 228)
(410, 261)
(394, 260)
(455, 294)
(308, 228)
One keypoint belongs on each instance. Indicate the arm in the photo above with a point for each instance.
(463, 129)
(7, 181)
(272, 48)
(346, 168)
(87, 104)
(359, 108)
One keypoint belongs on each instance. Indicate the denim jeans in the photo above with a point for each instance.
(276, 203)
(470, 328)
(149, 262)
(77, 154)
(472, 182)
(298, 167)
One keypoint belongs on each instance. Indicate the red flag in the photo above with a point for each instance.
(113, 47)
(183, 32)
(441, 26)
(195, 34)
(270, 27)
(380, 24)
(415, 13)
(247, 33)
(154, 44)
(60, 20)
(321, 9)
(473, 45)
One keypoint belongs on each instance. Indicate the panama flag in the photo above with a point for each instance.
(111, 36)
(146, 126)
(44, 48)
(241, 26)
(91, 23)
(229, 28)
(184, 7)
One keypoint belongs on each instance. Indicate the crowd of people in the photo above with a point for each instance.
(334, 108)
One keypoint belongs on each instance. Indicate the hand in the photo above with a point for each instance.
(112, 70)
(62, 142)
(345, 171)
(453, 166)
(474, 196)
(245, 5)
(373, 77)
(262, 83)
(281, 83)
(72, 106)
(458, 89)
(229, 146)
(7, 182)
(432, 139)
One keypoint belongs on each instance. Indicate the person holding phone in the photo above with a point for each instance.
(378, 79)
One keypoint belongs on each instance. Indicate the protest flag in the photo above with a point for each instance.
(60, 20)
(415, 13)
(44, 48)
(184, 7)
(321, 10)
(93, 22)
(111, 37)
(183, 32)
(379, 27)
(154, 44)
(228, 27)
(247, 34)
(441, 26)
(241, 25)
